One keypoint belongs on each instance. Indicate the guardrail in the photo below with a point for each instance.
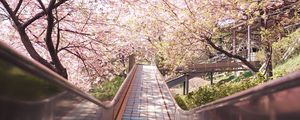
(30, 91)
(224, 66)
(275, 100)
(175, 81)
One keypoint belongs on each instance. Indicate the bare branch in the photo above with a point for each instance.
(62, 18)
(58, 32)
(32, 33)
(5, 17)
(81, 58)
(41, 14)
(190, 9)
(248, 64)
(76, 32)
(86, 22)
(18, 6)
(75, 46)
(168, 5)
(21, 9)
(11, 13)
(42, 5)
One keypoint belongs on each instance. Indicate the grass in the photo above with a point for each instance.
(232, 77)
(290, 65)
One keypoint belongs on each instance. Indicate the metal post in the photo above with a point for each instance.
(187, 84)
(249, 43)
(211, 78)
(184, 88)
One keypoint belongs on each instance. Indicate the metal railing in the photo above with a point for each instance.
(275, 100)
(57, 99)
(54, 99)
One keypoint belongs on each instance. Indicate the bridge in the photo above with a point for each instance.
(30, 91)
(194, 70)
(224, 66)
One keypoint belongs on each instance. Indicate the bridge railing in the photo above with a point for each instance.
(30, 91)
(215, 67)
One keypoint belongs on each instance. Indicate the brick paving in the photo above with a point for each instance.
(149, 97)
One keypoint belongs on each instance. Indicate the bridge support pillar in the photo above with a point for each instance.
(211, 77)
(186, 85)
(184, 88)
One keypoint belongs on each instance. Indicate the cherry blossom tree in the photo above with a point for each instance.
(82, 37)
(89, 41)
(205, 22)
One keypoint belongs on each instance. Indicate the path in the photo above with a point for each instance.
(149, 97)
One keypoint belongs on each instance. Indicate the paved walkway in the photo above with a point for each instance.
(74, 108)
(149, 97)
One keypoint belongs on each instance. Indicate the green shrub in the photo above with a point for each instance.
(233, 78)
(222, 81)
(108, 89)
(211, 93)
(181, 102)
(247, 74)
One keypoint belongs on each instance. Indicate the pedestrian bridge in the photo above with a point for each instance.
(30, 91)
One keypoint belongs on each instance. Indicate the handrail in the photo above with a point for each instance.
(178, 111)
(175, 81)
(33, 67)
(285, 82)
(259, 97)
(266, 97)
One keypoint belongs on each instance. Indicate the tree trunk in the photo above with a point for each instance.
(21, 28)
(268, 51)
(243, 60)
(269, 66)
(59, 68)
(31, 50)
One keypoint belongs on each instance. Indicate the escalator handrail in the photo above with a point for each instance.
(289, 81)
(35, 68)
